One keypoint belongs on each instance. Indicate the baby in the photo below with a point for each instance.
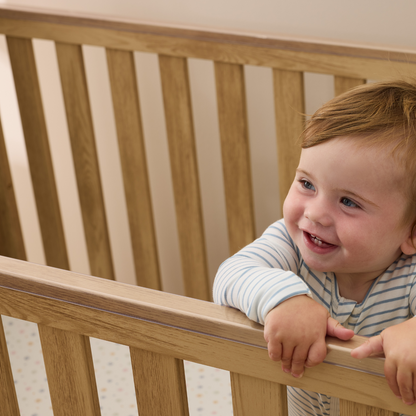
(342, 261)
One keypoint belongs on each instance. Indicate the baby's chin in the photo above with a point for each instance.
(318, 268)
(316, 264)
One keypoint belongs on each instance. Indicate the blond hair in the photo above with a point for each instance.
(380, 114)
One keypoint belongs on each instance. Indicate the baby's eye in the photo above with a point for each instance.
(348, 203)
(307, 185)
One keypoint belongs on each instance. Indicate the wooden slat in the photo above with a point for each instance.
(8, 399)
(40, 162)
(180, 131)
(134, 167)
(232, 115)
(11, 237)
(159, 384)
(70, 372)
(252, 396)
(343, 60)
(348, 408)
(290, 109)
(84, 152)
(343, 84)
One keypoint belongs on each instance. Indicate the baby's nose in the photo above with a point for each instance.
(318, 214)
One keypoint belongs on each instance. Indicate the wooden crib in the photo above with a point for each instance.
(162, 329)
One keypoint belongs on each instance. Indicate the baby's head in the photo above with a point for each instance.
(380, 115)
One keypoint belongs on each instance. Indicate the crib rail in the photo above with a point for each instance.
(162, 330)
(229, 53)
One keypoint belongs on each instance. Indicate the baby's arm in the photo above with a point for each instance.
(261, 275)
(295, 333)
(398, 344)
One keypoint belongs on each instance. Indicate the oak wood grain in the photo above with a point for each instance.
(185, 177)
(11, 237)
(290, 54)
(134, 166)
(183, 328)
(253, 396)
(26, 81)
(84, 154)
(235, 151)
(289, 113)
(343, 84)
(348, 408)
(163, 329)
(70, 372)
(159, 383)
(8, 397)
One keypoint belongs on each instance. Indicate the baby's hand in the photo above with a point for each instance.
(295, 333)
(398, 344)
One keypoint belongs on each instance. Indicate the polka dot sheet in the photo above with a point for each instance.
(209, 391)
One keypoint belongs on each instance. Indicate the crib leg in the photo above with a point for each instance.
(8, 398)
(160, 384)
(70, 372)
(252, 396)
(348, 408)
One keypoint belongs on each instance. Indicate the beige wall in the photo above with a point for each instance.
(381, 22)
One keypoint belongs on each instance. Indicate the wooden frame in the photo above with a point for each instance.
(161, 329)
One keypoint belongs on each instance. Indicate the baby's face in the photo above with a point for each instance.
(346, 207)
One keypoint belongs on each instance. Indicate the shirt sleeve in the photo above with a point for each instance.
(261, 275)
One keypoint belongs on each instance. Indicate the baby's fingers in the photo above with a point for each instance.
(299, 357)
(317, 353)
(287, 354)
(373, 345)
(275, 350)
(405, 381)
(390, 371)
(335, 329)
(401, 381)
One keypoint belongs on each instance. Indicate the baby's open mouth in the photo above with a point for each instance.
(317, 241)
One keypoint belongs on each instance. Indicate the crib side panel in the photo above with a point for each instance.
(185, 177)
(134, 166)
(159, 384)
(81, 132)
(237, 357)
(202, 332)
(11, 237)
(70, 372)
(43, 179)
(232, 116)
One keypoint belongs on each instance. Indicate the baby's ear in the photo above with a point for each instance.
(409, 245)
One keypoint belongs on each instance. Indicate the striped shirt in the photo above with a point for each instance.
(271, 270)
